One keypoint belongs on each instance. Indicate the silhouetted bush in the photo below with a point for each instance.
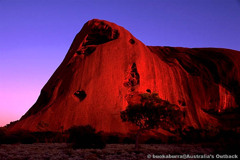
(172, 140)
(11, 139)
(152, 112)
(227, 148)
(27, 137)
(228, 136)
(153, 141)
(2, 134)
(128, 140)
(21, 136)
(85, 137)
(191, 135)
(50, 137)
(113, 139)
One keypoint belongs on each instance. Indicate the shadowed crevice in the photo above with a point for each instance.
(133, 78)
(81, 95)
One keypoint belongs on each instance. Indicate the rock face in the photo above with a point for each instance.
(106, 64)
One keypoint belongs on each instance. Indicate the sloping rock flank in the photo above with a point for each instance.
(105, 64)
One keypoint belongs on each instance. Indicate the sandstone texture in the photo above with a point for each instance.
(106, 64)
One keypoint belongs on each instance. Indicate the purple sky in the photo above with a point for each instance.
(36, 35)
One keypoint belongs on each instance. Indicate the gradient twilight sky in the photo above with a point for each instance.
(36, 35)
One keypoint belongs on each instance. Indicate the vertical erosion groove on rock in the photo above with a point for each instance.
(133, 78)
(80, 94)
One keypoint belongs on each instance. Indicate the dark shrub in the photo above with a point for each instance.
(191, 135)
(27, 138)
(172, 139)
(227, 148)
(2, 134)
(228, 137)
(49, 137)
(152, 112)
(113, 139)
(128, 140)
(20, 136)
(85, 137)
(7, 138)
(11, 139)
(153, 141)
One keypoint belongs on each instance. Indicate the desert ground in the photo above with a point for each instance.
(58, 151)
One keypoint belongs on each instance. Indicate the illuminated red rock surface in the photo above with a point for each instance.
(105, 64)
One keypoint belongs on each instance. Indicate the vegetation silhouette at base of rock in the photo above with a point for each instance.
(85, 137)
(153, 113)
